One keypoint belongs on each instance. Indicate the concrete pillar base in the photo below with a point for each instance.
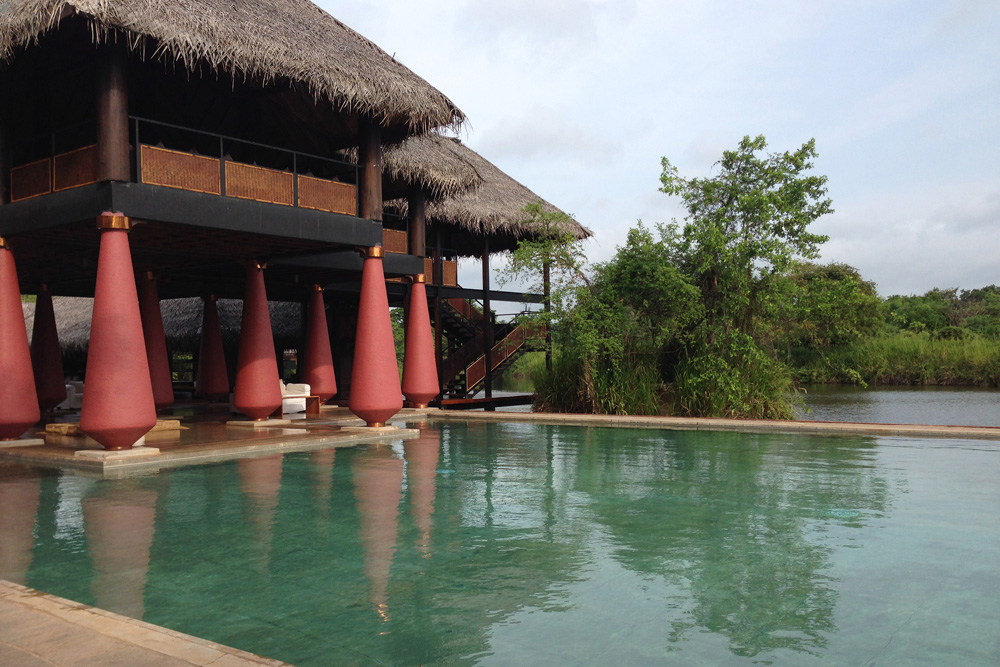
(22, 442)
(116, 454)
(263, 423)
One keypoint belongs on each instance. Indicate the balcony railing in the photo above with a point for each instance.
(187, 159)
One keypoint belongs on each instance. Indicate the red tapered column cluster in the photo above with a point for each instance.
(257, 392)
(318, 367)
(156, 342)
(375, 390)
(213, 377)
(118, 406)
(18, 401)
(46, 358)
(420, 378)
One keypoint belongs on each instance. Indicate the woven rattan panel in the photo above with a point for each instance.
(449, 273)
(73, 169)
(175, 169)
(429, 270)
(324, 195)
(247, 181)
(30, 180)
(394, 240)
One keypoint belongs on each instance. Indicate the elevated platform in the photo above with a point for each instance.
(205, 437)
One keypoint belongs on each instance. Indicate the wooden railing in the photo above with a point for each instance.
(512, 342)
(53, 174)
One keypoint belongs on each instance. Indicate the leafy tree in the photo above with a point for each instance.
(826, 305)
(746, 225)
(624, 324)
(551, 262)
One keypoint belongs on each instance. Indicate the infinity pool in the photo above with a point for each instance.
(528, 544)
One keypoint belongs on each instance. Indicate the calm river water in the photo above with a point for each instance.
(956, 406)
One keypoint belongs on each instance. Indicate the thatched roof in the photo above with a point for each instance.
(496, 206)
(256, 39)
(181, 320)
(434, 164)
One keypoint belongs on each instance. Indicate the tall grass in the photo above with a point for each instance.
(616, 388)
(907, 359)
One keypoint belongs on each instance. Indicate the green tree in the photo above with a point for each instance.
(550, 262)
(825, 305)
(745, 226)
(629, 318)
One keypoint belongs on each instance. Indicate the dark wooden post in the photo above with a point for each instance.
(4, 150)
(417, 219)
(547, 293)
(370, 159)
(488, 323)
(436, 273)
(112, 117)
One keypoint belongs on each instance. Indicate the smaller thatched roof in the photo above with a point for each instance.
(181, 320)
(255, 39)
(432, 163)
(496, 206)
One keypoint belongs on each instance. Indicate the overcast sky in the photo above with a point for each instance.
(579, 100)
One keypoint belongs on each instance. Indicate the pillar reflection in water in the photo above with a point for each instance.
(119, 523)
(378, 488)
(260, 484)
(421, 476)
(322, 478)
(18, 507)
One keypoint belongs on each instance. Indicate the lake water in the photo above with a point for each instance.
(958, 406)
(500, 544)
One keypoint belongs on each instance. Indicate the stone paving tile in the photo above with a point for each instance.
(11, 656)
(41, 629)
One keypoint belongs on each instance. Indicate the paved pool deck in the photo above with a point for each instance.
(37, 629)
(740, 425)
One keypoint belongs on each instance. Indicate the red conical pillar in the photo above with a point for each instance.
(118, 406)
(213, 376)
(156, 342)
(375, 390)
(420, 378)
(18, 400)
(319, 373)
(257, 393)
(46, 357)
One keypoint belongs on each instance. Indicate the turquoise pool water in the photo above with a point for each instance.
(527, 544)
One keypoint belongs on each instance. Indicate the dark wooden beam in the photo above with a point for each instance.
(488, 321)
(112, 117)
(370, 161)
(4, 143)
(417, 222)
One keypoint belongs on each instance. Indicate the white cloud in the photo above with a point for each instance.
(579, 99)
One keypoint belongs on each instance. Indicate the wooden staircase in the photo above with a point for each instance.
(463, 370)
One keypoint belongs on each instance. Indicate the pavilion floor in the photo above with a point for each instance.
(204, 436)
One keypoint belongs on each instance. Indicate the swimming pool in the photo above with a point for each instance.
(523, 543)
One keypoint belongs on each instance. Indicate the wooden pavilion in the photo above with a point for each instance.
(206, 139)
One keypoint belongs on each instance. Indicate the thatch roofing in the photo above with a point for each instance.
(434, 163)
(255, 39)
(496, 206)
(181, 320)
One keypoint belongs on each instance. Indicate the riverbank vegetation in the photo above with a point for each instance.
(726, 314)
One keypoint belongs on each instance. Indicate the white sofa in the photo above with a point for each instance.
(293, 397)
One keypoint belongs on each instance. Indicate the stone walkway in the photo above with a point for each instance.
(41, 629)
